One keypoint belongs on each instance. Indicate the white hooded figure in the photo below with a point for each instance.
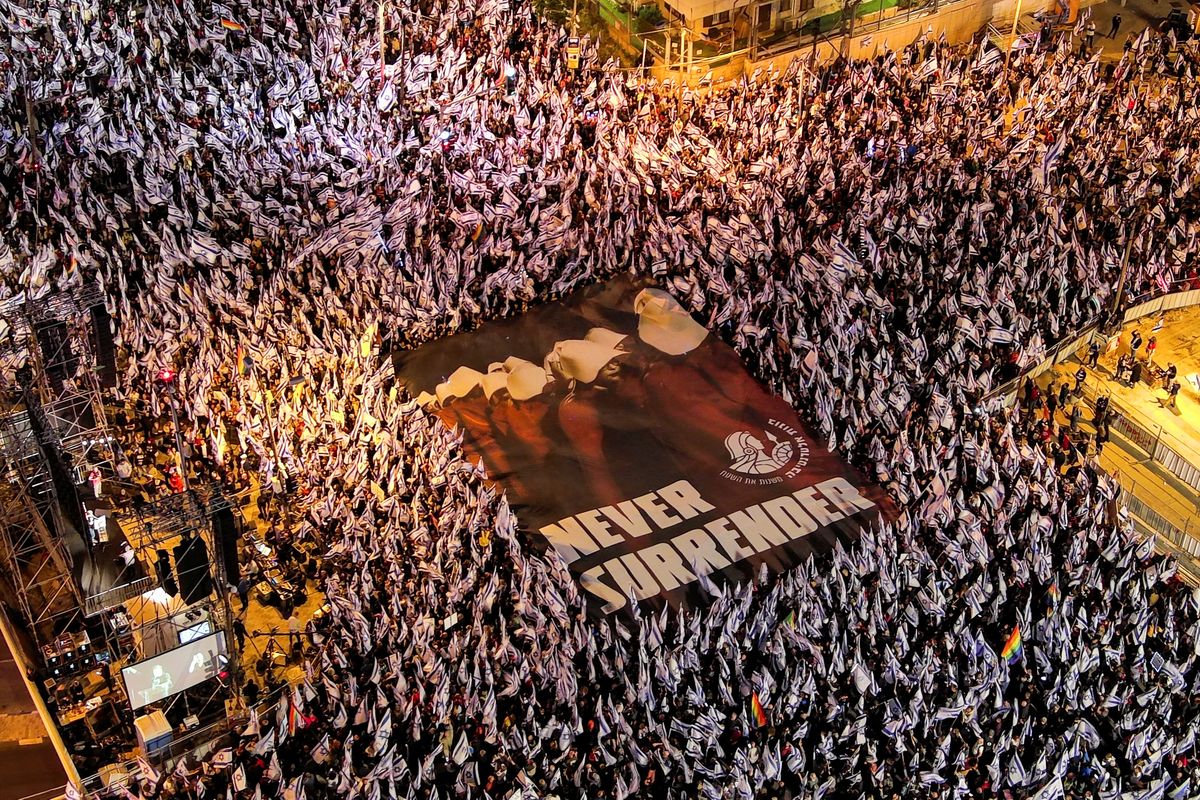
(665, 325)
(750, 456)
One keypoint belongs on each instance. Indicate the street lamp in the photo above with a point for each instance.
(850, 6)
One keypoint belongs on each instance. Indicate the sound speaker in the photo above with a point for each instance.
(106, 351)
(192, 569)
(58, 357)
(165, 576)
(226, 529)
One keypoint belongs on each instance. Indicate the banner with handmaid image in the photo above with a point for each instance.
(635, 443)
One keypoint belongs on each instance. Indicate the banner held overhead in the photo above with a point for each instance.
(635, 444)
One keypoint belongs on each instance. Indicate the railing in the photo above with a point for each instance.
(1183, 543)
(1147, 504)
(197, 743)
(803, 37)
(1000, 32)
(111, 598)
(1176, 294)
(1062, 350)
(1175, 455)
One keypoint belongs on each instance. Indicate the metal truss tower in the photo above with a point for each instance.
(52, 421)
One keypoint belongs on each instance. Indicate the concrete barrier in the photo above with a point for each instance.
(958, 20)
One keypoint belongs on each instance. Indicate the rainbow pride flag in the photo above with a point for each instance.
(1012, 648)
(230, 25)
(295, 717)
(756, 708)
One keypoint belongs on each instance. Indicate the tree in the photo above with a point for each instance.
(650, 16)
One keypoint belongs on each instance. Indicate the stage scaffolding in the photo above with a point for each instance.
(53, 431)
(52, 422)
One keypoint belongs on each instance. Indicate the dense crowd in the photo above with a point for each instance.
(270, 209)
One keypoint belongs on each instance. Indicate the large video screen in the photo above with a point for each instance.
(175, 670)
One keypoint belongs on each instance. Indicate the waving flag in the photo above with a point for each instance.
(1055, 596)
(756, 708)
(1052, 153)
(1012, 648)
(243, 363)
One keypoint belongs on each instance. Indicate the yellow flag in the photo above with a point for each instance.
(367, 341)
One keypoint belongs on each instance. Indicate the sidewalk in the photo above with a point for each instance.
(1178, 344)
(1150, 490)
(1163, 494)
(1177, 502)
(1135, 16)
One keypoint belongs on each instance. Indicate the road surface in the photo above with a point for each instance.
(28, 763)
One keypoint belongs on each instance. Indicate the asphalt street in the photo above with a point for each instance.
(30, 768)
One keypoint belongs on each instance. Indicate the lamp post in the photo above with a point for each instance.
(382, 48)
(1012, 39)
(850, 6)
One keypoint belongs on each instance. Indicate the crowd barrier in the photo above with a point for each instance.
(1183, 544)
(1176, 457)
(1068, 347)
(1170, 452)
(1179, 295)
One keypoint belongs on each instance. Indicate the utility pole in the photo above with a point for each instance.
(167, 379)
(1012, 39)
(682, 56)
(31, 119)
(752, 41)
(402, 83)
(850, 6)
(1124, 271)
(382, 48)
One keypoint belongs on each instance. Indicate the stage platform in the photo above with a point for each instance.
(99, 569)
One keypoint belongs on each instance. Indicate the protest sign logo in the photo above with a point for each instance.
(778, 451)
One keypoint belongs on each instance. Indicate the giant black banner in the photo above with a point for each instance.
(636, 444)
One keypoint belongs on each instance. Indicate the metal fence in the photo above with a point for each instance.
(1174, 454)
(1144, 502)
(1177, 294)
(1066, 348)
(1182, 543)
(1185, 538)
